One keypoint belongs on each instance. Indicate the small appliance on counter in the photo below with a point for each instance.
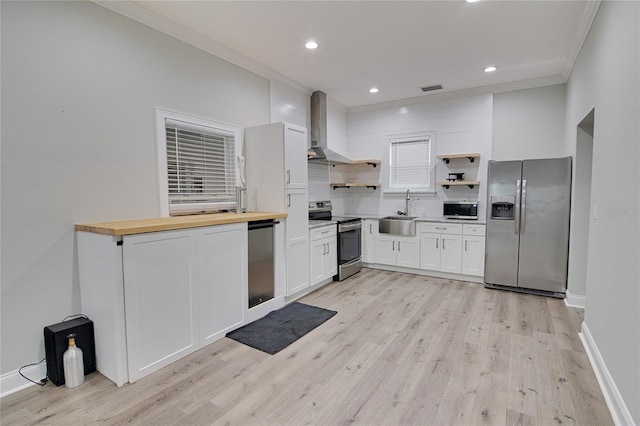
(467, 210)
(455, 176)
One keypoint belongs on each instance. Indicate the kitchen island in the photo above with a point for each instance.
(131, 227)
(159, 289)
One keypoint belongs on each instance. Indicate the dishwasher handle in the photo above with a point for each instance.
(261, 224)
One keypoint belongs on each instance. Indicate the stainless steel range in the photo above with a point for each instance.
(349, 238)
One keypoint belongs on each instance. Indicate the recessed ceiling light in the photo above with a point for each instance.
(373, 90)
(471, 1)
(491, 68)
(311, 45)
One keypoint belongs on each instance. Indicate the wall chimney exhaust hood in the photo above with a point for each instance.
(319, 151)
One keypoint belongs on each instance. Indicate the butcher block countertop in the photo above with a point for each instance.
(130, 227)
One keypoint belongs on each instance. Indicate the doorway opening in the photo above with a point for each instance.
(582, 212)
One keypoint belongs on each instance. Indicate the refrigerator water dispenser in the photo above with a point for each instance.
(502, 207)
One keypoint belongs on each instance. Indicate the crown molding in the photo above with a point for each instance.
(146, 17)
(474, 91)
(588, 16)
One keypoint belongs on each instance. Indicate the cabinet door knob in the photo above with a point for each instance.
(443, 243)
(288, 176)
(465, 245)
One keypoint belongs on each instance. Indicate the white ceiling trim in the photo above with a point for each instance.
(144, 16)
(484, 90)
(581, 35)
(137, 13)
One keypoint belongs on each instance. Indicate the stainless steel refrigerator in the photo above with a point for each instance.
(527, 240)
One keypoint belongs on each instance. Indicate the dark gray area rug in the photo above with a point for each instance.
(280, 328)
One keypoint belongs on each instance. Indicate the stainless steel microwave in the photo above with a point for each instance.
(460, 210)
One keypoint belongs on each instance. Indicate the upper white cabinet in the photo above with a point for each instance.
(277, 180)
(296, 173)
(275, 161)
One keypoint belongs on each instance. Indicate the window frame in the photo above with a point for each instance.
(161, 138)
(390, 188)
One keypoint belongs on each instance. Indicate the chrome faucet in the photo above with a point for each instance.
(406, 206)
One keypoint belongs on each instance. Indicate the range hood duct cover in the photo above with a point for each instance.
(319, 151)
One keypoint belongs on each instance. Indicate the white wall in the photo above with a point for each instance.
(529, 123)
(79, 88)
(462, 125)
(605, 77)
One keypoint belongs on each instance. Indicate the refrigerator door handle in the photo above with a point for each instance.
(523, 214)
(516, 222)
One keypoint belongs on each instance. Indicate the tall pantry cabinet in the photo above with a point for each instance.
(277, 180)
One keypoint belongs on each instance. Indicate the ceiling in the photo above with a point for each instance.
(397, 46)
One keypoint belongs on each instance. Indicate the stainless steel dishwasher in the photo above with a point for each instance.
(261, 271)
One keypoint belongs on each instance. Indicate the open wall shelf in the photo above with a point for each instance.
(471, 157)
(354, 185)
(469, 183)
(373, 163)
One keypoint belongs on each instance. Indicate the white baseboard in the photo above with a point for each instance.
(575, 300)
(13, 382)
(619, 411)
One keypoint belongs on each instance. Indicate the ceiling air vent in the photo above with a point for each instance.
(431, 88)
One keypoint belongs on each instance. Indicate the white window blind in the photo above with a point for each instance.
(201, 173)
(410, 163)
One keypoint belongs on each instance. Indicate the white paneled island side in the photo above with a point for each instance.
(159, 289)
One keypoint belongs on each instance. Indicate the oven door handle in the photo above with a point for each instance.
(349, 226)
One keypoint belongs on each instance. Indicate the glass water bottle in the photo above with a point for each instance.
(73, 364)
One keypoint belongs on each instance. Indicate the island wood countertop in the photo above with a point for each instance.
(130, 227)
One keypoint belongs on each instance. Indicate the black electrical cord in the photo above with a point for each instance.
(75, 316)
(44, 381)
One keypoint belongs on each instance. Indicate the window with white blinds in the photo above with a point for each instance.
(200, 164)
(411, 163)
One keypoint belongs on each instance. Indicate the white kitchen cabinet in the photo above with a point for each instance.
(222, 279)
(441, 247)
(397, 250)
(160, 291)
(277, 180)
(473, 250)
(323, 256)
(275, 162)
(296, 171)
(297, 241)
(156, 297)
(369, 235)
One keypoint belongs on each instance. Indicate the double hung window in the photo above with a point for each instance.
(411, 163)
(197, 163)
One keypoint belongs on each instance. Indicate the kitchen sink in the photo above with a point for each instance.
(397, 225)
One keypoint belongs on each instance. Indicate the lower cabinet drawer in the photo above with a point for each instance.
(323, 232)
(478, 230)
(441, 228)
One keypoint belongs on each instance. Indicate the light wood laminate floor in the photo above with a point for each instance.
(402, 350)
